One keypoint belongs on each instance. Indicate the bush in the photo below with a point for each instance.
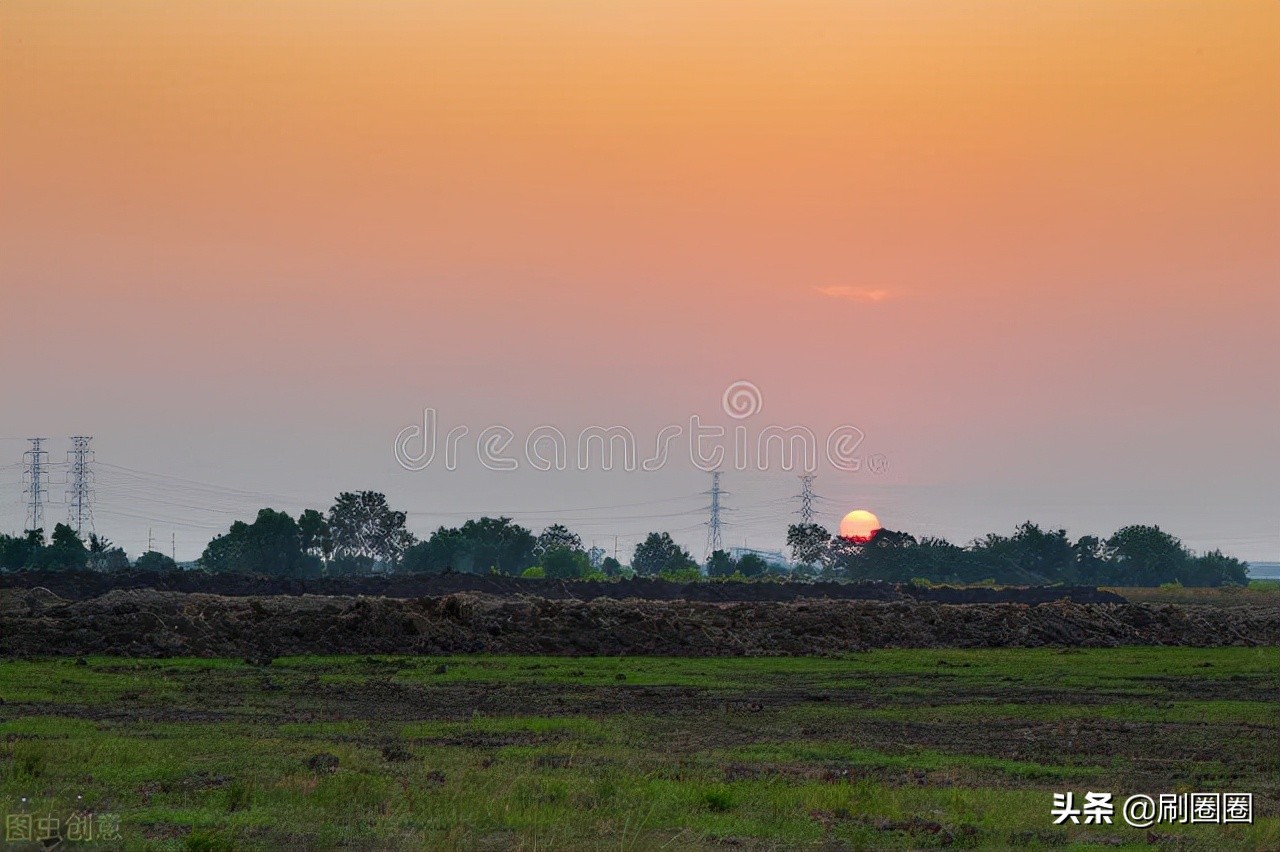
(563, 563)
(153, 561)
(535, 573)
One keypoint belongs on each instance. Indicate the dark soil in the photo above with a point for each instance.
(150, 623)
(79, 585)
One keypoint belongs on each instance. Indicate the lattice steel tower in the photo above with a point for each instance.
(806, 498)
(35, 492)
(79, 495)
(713, 523)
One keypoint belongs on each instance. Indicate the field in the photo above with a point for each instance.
(1265, 592)
(880, 749)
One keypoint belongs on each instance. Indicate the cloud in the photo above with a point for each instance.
(857, 294)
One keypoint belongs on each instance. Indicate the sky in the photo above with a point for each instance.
(1029, 250)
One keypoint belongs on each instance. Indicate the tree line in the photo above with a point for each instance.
(65, 550)
(1135, 555)
(362, 534)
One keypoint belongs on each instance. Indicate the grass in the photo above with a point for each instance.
(885, 749)
(1261, 591)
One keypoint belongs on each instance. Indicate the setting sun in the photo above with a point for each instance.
(859, 526)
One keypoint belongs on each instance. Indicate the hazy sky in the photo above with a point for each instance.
(1030, 250)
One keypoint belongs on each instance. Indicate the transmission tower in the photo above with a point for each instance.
(713, 523)
(36, 460)
(806, 498)
(79, 497)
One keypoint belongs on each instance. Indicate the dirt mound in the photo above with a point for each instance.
(157, 623)
(79, 585)
(33, 601)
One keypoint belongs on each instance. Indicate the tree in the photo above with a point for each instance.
(1216, 569)
(1091, 560)
(1030, 555)
(442, 551)
(475, 547)
(361, 524)
(271, 545)
(154, 561)
(887, 555)
(1048, 555)
(563, 563)
(558, 535)
(314, 536)
(274, 545)
(839, 558)
(225, 553)
(752, 565)
(66, 552)
(1147, 556)
(610, 567)
(112, 559)
(808, 542)
(16, 552)
(658, 553)
(720, 564)
(498, 543)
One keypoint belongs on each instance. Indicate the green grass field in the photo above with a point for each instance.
(885, 749)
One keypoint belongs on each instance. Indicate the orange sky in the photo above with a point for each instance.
(1023, 246)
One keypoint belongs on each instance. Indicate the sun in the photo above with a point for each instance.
(859, 526)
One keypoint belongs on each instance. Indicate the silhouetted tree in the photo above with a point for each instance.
(65, 552)
(1216, 569)
(155, 561)
(361, 524)
(476, 547)
(314, 537)
(808, 543)
(17, 552)
(752, 565)
(658, 553)
(558, 535)
(720, 564)
(1146, 556)
(271, 545)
